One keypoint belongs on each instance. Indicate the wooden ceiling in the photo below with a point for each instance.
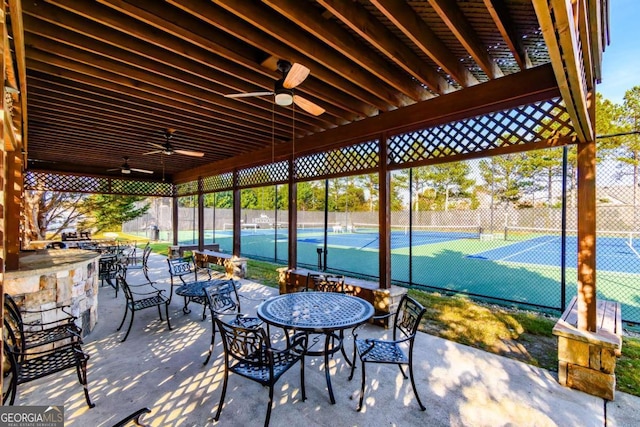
(106, 78)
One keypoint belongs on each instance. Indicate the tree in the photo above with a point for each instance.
(48, 211)
(449, 179)
(109, 211)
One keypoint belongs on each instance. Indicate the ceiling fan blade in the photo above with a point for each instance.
(153, 144)
(308, 106)
(113, 170)
(153, 152)
(190, 153)
(248, 94)
(295, 76)
(141, 170)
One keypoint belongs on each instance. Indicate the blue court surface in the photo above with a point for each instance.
(612, 254)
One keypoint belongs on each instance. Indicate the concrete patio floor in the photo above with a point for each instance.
(163, 370)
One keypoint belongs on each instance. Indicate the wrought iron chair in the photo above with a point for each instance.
(185, 269)
(109, 266)
(145, 295)
(135, 262)
(405, 326)
(38, 333)
(324, 282)
(248, 353)
(223, 300)
(25, 366)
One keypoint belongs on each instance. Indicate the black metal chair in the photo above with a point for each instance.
(25, 366)
(185, 269)
(405, 326)
(109, 266)
(145, 295)
(324, 282)
(223, 300)
(248, 353)
(135, 262)
(38, 333)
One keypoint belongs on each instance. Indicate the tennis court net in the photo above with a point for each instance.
(444, 231)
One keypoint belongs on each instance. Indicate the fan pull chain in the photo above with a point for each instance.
(273, 132)
(293, 138)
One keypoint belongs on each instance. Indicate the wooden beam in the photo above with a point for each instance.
(533, 85)
(359, 20)
(587, 237)
(293, 217)
(557, 22)
(400, 13)
(13, 208)
(500, 15)
(342, 41)
(455, 20)
(276, 26)
(17, 31)
(237, 215)
(384, 216)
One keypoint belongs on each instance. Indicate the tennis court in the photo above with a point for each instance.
(615, 254)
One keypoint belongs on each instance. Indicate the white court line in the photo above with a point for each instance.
(529, 249)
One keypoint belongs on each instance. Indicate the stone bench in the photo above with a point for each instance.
(587, 360)
(235, 267)
(383, 300)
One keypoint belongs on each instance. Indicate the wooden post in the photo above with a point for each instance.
(174, 218)
(13, 209)
(293, 217)
(384, 216)
(237, 227)
(587, 236)
(200, 216)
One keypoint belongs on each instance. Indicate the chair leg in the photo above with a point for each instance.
(213, 338)
(353, 364)
(166, 309)
(126, 310)
(402, 371)
(81, 369)
(266, 420)
(415, 390)
(133, 312)
(224, 391)
(160, 313)
(362, 387)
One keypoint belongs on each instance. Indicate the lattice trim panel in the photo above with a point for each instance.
(273, 173)
(217, 182)
(360, 157)
(96, 185)
(517, 126)
(187, 188)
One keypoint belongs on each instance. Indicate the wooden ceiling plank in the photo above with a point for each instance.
(500, 16)
(274, 25)
(407, 20)
(455, 20)
(140, 105)
(342, 41)
(533, 85)
(154, 86)
(106, 117)
(164, 104)
(231, 24)
(557, 26)
(178, 71)
(369, 28)
(227, 60)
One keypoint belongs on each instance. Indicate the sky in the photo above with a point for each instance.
(621, 59)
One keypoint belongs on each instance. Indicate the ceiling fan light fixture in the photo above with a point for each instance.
(126, 171)
(284, 99)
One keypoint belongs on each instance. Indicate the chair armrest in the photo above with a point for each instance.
(156, 291)
(135, 417)
(29, 353)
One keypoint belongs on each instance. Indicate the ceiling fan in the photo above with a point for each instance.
(168, 149)
(292, 76)
(126, 169)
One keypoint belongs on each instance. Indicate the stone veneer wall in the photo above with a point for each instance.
(72, 285)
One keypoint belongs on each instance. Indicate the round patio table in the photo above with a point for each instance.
(317, 312)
